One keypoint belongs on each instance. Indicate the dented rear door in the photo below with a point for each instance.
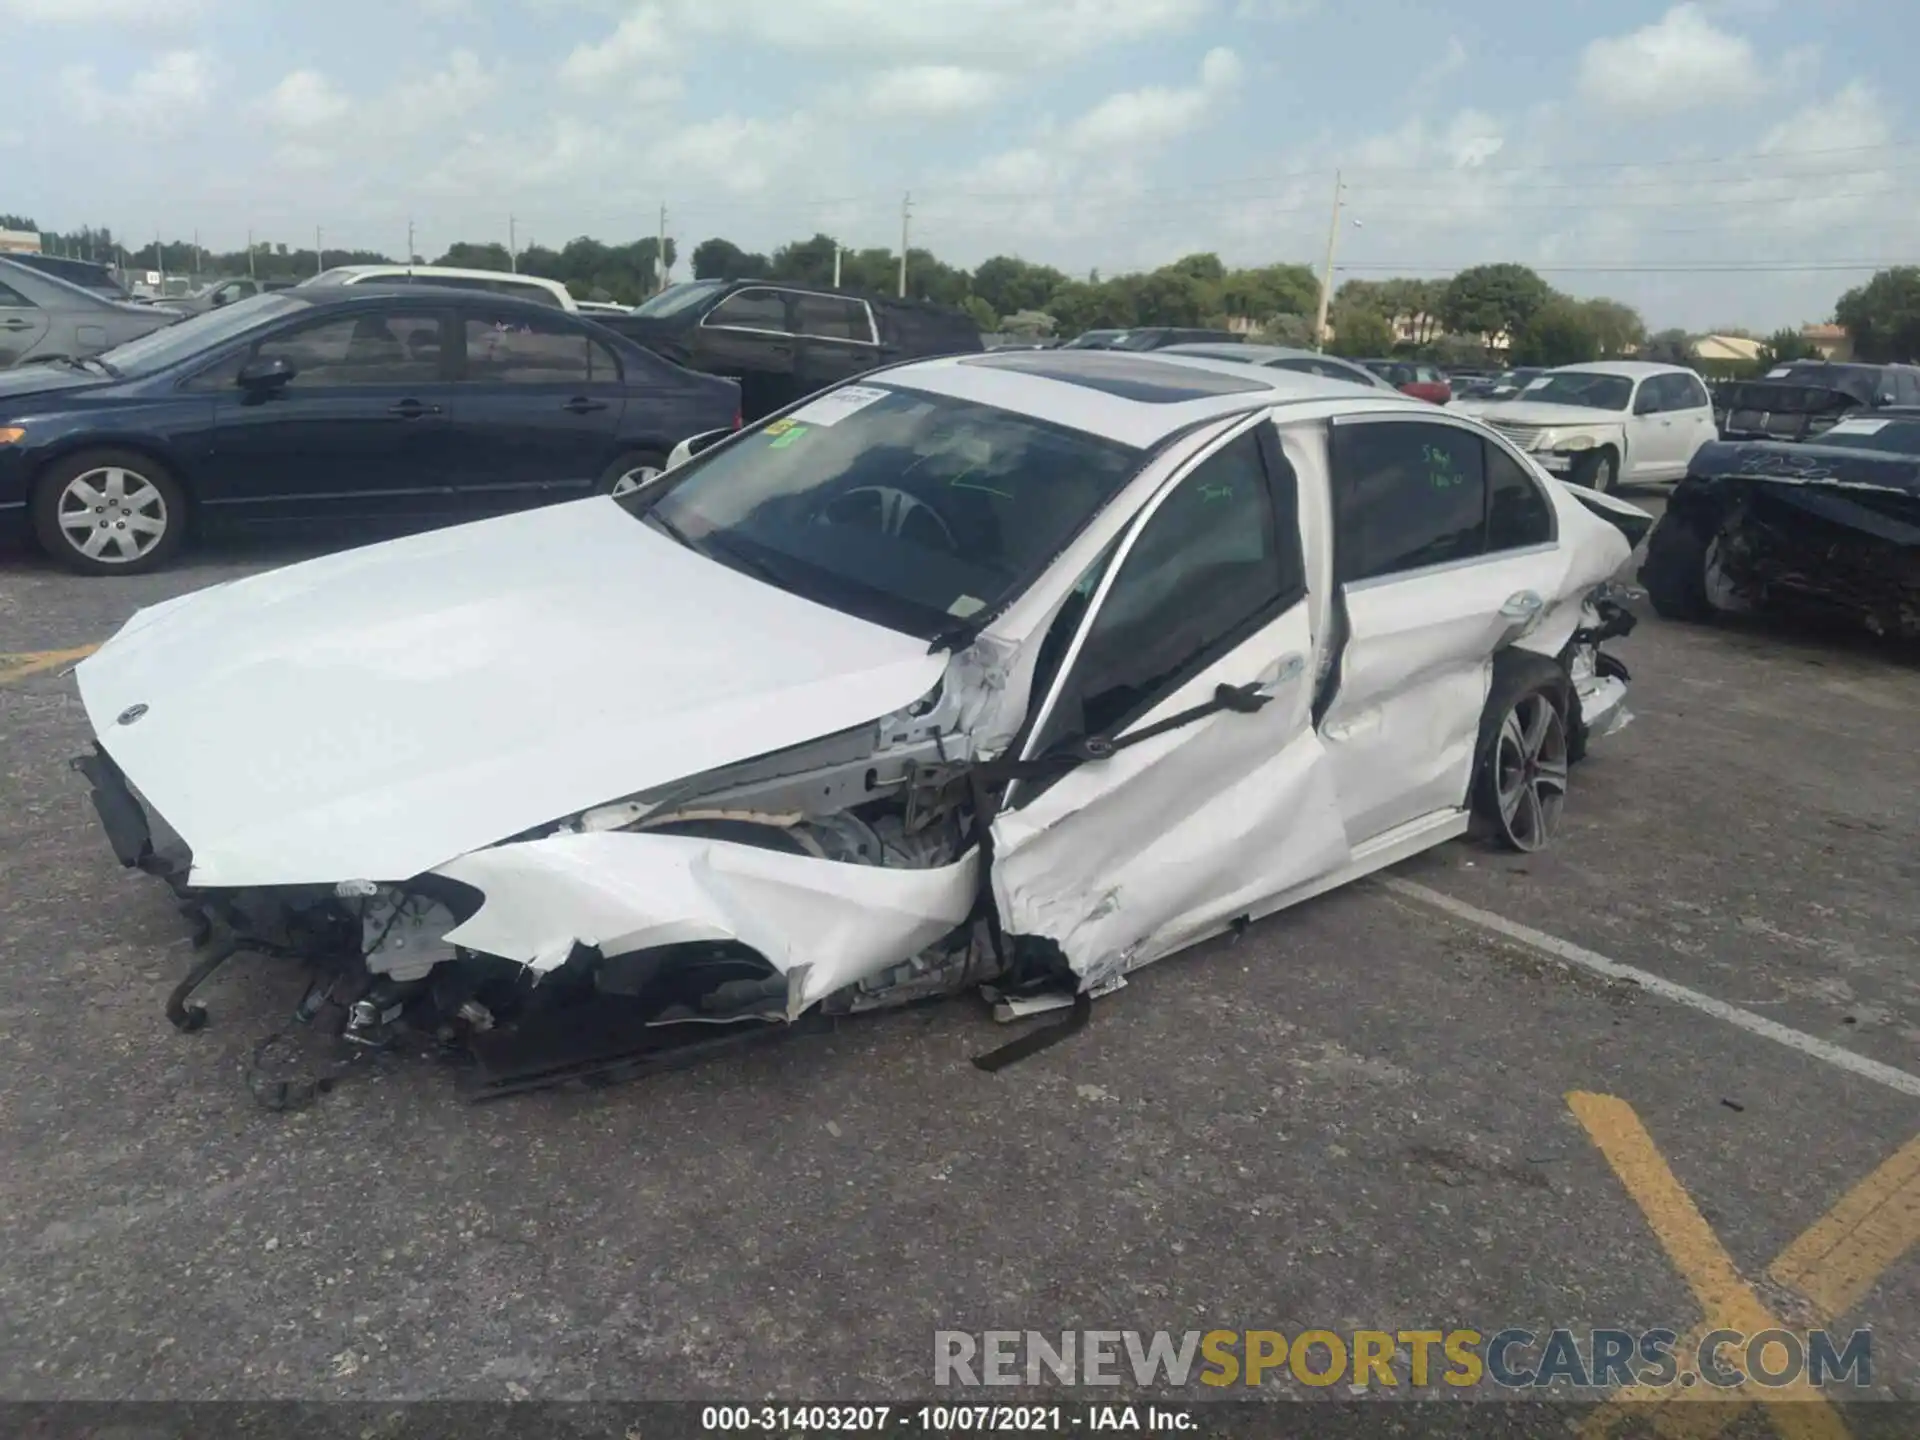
(1194, 664)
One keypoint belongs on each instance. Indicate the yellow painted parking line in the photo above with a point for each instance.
(34, 662)
(1799, 1411)
(1839, 1260)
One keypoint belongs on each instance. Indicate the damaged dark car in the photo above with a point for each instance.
(1826, 529)
(1804, 399)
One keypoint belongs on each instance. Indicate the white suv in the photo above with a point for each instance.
(1612, 422)
(500, 282)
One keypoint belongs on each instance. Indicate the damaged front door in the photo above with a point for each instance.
(1175, 781)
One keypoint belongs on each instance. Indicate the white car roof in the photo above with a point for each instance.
(1626, 369)
(363, 272)
(1137, 399)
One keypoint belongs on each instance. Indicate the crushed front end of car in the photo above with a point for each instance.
(1812, 529)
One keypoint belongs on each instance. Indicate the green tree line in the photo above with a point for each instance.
(1454, 320)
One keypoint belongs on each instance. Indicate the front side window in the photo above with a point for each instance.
(522, 350)
(1406, 495)
(1579, 387)
(919, 512)
(200, 334)
(831, 318)
(380, 349)
(751, 310)
(1210, 563)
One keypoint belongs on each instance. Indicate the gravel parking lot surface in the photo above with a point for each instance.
(1356, 1116)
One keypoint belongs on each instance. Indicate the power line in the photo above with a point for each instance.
(1730, 267)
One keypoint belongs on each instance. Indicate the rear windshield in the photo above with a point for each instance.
(1786, 397)
(1860, 383)
(915, 511)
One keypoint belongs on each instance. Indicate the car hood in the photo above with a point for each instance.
(373, 714)
(1532, 412)
(33, 380)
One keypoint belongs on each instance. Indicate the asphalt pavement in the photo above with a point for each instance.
(1356, 1116)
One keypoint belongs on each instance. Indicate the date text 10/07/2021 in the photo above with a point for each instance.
(944, 1419)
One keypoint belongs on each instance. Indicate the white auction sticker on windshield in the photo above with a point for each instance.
(835, 406)
(1779, 374)
(1858, 427)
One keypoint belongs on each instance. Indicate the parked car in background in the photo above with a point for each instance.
(534, 288)
(219, 293)
(87, 274)
(369, 403)
(1829, 525)
(1150, 337)
(43, 317)
(1118, 651)
(1504, 385)
(601, 307)
(1609, 423)
(1281, 357)
(785, 341)
(1413, 377)
(1805, 398)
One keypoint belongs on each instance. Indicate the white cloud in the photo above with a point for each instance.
(144, 13)
(1137, 118)
(445, 95)
(165, 94)
(638, 46)
(1002, 34)
(1680, 62)
(931, 90)
(305, 100)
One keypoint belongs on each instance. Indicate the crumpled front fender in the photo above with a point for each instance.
(824, 923)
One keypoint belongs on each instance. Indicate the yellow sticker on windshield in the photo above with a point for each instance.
(780, 427)
(788, 436)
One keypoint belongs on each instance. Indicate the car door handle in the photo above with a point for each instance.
(16, 324)
(412, 409)
(581, 405)
(1522, 605)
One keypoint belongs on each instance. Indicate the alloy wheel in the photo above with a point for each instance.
(112, 515)
(1530, 772)
(637, 478)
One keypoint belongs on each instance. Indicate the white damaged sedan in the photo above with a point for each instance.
(1017, 670)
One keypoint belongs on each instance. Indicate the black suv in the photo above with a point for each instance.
(1805, 398)
(783, 341)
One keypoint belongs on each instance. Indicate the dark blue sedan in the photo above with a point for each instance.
(367, 404)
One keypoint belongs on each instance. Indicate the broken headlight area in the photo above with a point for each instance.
(611, 972)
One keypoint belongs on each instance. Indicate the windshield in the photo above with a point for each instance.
(1095, 340)
(1898, 437)
(915, 511)
(1580, 387)
(684, 296)
(152, 353)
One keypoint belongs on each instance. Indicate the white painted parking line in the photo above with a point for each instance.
(1569, 953)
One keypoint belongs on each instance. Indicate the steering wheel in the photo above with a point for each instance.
(894, 509)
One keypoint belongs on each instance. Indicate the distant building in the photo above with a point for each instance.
(1727, 349)
(1829, 342)
(19, 242)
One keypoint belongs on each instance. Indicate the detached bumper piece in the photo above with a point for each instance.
(121, 815)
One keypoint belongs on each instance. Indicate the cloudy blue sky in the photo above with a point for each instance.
(1621, 146)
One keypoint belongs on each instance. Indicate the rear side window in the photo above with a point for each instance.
(11, 299)
(1406, 495)
(522, 350)
(751, 310)
(1518, 511)
(830, 317)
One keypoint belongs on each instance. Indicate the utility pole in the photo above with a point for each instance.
(250, 274)
(513, 244)
(410, 250)
(660, 253)
(159, 259)
(838, 251)
(1326, 278)
(319, 261)
(193, 256)
(906, 219)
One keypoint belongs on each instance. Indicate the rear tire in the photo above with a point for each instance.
(109, 512)
(1525, 751)
(1675, 570)
(632, 471)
